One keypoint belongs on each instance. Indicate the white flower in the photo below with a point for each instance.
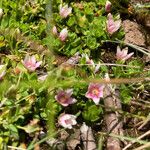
(67, 120)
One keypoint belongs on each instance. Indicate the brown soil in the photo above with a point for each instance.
(133, 33)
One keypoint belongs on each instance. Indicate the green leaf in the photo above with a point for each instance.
(91, 42)
(125, 93)
(13, 128)
(91, 112)
(71, 21)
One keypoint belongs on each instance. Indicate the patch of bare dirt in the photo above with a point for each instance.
(133, 33)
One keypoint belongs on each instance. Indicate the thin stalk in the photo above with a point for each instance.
(141, 49)
(135, 140)
(105, 64)
(124, 138)
(51, 114)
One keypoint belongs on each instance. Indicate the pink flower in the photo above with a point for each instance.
(65, 11)
(108, 6)
(54, 31)
(63, 34)
(95, 92)
(91, 62)
(88, 60)
(112, 26)
(64, 97)
(30, 63)
(67, 120)
(123, 55)
(2, 71)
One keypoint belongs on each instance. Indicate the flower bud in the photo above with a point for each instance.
(63, 34)
(112, 26)
(108, 6)
(54, 31)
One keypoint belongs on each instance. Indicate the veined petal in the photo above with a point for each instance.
(96, 100)
(32, 59)
(108, 6)
(128, 56)
(38, 64)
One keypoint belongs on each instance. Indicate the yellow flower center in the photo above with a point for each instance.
(95, 92)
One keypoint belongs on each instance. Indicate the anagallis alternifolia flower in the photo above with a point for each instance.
(91, 63)
(63, 34)
(95, 92)
(108, 6)
(111, 25)
(67, 120)
(30, 63)
(123, 54)
(65, 11)
(64, 97)
(54, 31)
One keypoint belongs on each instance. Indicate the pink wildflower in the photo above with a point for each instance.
(108, 6)
(63, 34)
(54, 31)
(30, 63)
(91, 62)
(88, 60)
(2, 71)
(123, 55)
(112, 26)
(65, 11)
(64, 97)
(95, 92)
(67, 120)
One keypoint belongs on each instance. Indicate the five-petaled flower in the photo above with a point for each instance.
(2, 71)
(123, 54)
(108, 6)
(64, 97)
(67, 120)
(63, 34)
(65, 11)
(95, 92)
(111, 25)
(30, 63)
